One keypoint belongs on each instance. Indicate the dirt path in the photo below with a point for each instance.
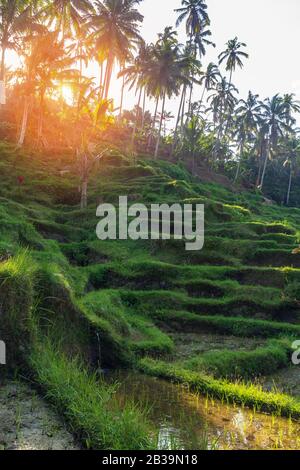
(28, 423)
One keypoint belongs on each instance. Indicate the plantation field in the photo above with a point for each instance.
(221, 320)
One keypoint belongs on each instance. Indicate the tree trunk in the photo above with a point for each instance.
(160, 126)
(2, 78)
(190, 99)
(226, 104)
(290, 185)
(101, 82)
(41, 119)
(109, 70)
(136, 120)
(177, 122)
(260, 164)
(144, 108)
(84, 177)
(84, 187)
(183, 107)
(265, 166)
(239, 163)
(2, 69)
(193, 163)
(24, 122)
(122, 97)
(202, 97)
(153, 124)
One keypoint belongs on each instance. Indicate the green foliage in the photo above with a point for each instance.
(88, 402)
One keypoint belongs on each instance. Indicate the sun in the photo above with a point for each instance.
(67, 94)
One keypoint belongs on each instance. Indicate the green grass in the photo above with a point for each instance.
(248, 365)
(88, 404)
(245, 394)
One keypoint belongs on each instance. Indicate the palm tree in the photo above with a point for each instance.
(66, 15)
(209, 79)
(248, 114)
(52, 70)
(273, 124)
(44, 66)
(167, 75)
(191, 136)
(116, 32)
(222, 102)
(92, 118)
(290, 106)
(138, 76)
(16, 18)
(292, 152)
(199, 44)
(233, 56)
(194, 13)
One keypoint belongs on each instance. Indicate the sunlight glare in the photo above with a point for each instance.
(67, 94)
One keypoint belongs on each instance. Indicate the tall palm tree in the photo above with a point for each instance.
(209, 79)
(194, 13)
(16, 17)
(44, 66)
(222, 101)
(138, 76)
(290, 106)
(233, 56)
(167, 76)
(199, 44)
(248, 114)
(273, 124)
(66, 15)
(191, 135)
(115, 26)
(292, 152)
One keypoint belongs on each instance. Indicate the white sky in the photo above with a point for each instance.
(270, 28)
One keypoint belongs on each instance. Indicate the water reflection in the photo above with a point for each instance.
(184, 420)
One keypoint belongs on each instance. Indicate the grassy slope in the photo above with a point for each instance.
(66, 295)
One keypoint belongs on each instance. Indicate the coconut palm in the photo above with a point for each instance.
(191, 136)
(233, 56)
(248, 114)
(209, 79)
(292, 153)
(167, 76)
(138, 76)
(66, 15)
(44, 66)
(202, 40)
(194, 13)
(115, 26)
(16, 17)
(290, 106)
(273, 126)
(222, 101)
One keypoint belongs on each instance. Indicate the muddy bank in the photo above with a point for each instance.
(28, 423)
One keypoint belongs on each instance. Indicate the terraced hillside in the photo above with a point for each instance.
(222, 320)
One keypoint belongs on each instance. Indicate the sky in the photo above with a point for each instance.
(270, 28)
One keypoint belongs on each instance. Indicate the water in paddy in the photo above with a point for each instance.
(184, 420)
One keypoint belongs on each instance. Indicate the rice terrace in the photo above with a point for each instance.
(149, 229)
